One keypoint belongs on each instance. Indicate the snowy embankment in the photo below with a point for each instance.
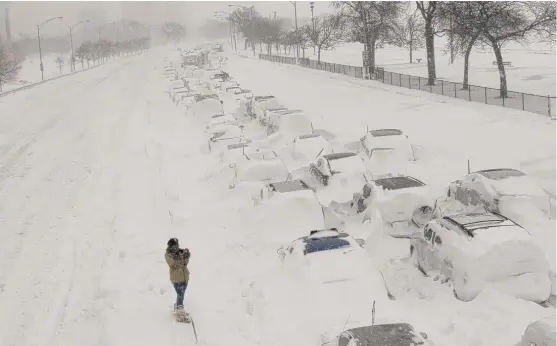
(448, 133)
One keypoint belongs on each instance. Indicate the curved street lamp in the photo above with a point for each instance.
(39, 26)
(71, 40)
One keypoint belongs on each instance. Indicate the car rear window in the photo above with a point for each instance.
(499, 174)
(337, 156)
(385, 132)
(325, 244)
(397, 183)
(289, 186)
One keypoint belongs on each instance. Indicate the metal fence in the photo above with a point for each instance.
(539, 104)
(545, 105)
(353, 71)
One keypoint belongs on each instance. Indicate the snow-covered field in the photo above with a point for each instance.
(532, 71)
(99, 169)
(30, 70)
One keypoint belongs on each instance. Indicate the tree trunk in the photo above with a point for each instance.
(467, 60)
(429, 41)
(410, 46)
(82, 65)
(319, 55)
(501, 67)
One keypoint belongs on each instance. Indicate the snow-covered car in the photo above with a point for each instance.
(476, 250)
(266, 167)
(403, 203)
(175, 84)
(259, 104)
(319, 240)
(392, 334)
(175, 92)
(494, 187)
(540, 333)
(224, 135)
(328, 165)
(291, 123)
(206, 106)
(309, 146)
(387, 138)
(228, 84)
(221, 119)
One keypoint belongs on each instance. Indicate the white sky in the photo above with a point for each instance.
(25, 15)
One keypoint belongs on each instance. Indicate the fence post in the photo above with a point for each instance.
(419, 83)
(410, 81)
(503, 100)
(469, 94)
(549, 106)
(442, 88)
(454, 90)
(485, 91)
(522, 101)
(383, 76)
(399, 79)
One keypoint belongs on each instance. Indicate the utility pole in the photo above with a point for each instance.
(311, 4)
(296, 25)
(8, 29)
(39, 37)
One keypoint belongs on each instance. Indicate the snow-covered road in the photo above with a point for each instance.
(85, 212)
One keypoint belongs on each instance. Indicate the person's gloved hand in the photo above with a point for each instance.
(187, 253)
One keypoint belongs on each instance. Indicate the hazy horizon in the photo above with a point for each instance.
(24, 16)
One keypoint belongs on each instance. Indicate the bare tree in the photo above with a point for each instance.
(465, 28)
(408, 31)
(326, 32)
(9, 67)
(60, 62)
(429, 14)
(246, 20)
(507, 21)
(368, 22)
(172, 30)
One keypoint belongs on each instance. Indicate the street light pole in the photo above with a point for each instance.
(296, 25)
(39, 38)
(71, 41)
(311, 4)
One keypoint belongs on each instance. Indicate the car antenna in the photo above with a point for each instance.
(373, 314)
(319, 152)
(468, 166)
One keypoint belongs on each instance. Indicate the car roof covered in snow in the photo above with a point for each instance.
(336, 156)
(397, 183)
(501, 173)
(395, 334)
(385, 132)
(473, 222)
(259, 98)
(289, 186)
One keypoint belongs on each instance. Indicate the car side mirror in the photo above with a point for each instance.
(232, 165)
(221, 102)
(361, 242)
(424, 335)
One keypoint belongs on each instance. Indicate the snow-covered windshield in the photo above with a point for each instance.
(338, 156)
(289, 186)
(385, 132)
(325, 244)
(397, 183)
(499, 174)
